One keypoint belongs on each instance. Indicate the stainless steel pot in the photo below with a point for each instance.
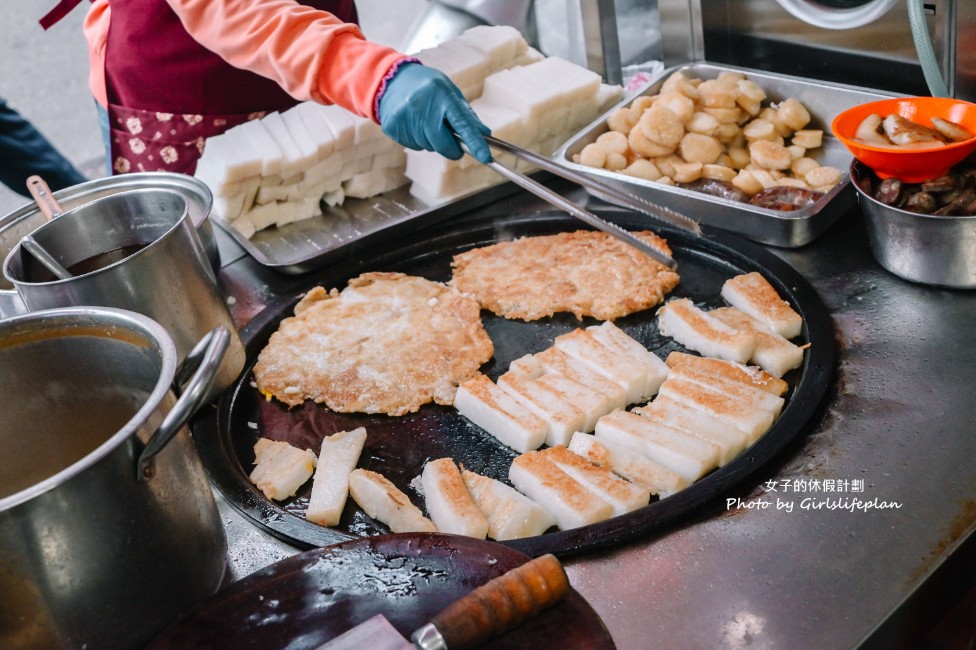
(160, 270)
(108, 525)
(27, 218)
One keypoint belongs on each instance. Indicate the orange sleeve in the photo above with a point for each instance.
(95, 29)
(311, 54)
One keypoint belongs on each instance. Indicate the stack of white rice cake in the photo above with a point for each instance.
(282, 167)
(583, 457)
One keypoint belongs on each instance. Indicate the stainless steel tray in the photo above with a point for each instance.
(773, 227)
(311, 244)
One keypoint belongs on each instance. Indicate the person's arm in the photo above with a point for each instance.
(311, 54)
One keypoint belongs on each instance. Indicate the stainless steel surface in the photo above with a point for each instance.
(583, 214)
(785, 229)
(866, 43)
(169, 279)
(940, 251)
(90, 557)
(28, 217)
(776, 571)
(307, 245)
(598, 187)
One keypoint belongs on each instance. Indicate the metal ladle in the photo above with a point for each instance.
(49, 206)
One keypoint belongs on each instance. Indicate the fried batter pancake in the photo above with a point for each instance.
(586, 273)
(387, 343)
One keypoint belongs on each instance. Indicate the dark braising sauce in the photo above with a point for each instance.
(38, 273)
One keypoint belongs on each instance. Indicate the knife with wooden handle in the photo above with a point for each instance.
(490, 610)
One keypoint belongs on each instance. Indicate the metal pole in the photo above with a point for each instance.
(601, 39)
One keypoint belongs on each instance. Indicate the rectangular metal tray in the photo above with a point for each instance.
(784, 229)
(309, 245)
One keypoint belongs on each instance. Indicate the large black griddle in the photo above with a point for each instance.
(398, 447)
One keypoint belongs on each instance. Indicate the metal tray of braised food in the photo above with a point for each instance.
(398, 447)
(714, 203)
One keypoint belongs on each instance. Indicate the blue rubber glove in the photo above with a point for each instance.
(422, 109)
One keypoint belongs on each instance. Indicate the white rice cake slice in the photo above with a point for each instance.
(294, 159)
(504, 123)
(607, 96)
(750, 375)
(318, 130)
(615, 366)
(546, 93)
(342, 124)
(500, 414)
(753, 294)
(774, 353)
(501, 43)
(562, 417)
(623, 495)
(449, 504)
(261, 140)
(592, 403)
(330, 485)
(689, 456)
(730, 440)
(324, 171)
(218, 164)
(556, 361)
(243, 157)
(734, 389)
(622, 460)
(516, 92)
(280, 469)
(510, 514)
(381, 500)
(697, 330)
(616, 339)
(244, 227)
(578, 84)
(748, 416)
(470, 65)
(275, 193)
(571, 504)
(266, 215)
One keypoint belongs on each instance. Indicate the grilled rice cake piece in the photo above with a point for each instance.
(280, 469)
(623, 461)
(449, 504)
(697, 330)
(510, 514)
(388, 343)
(733, 370)
(383, 501)
(688, 455)
(564, 497)
(497, 412)
(773, 353)
(623, 495)
(338, 456)
(753, 294)
(585, 273)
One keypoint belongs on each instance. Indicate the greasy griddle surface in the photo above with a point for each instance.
(398, 447)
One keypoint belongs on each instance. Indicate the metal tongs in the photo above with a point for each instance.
(598, 187)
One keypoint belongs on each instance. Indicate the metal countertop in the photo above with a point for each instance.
(790, 564)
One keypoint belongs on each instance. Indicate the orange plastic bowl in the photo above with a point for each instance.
(909, 165)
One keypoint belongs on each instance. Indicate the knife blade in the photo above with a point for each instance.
(492, 609)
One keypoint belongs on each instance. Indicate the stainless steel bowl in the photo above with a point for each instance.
(938, 251)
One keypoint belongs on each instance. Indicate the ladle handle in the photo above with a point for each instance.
(203, 362)
(42, 194)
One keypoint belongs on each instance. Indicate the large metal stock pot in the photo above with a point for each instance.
(108, 525)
